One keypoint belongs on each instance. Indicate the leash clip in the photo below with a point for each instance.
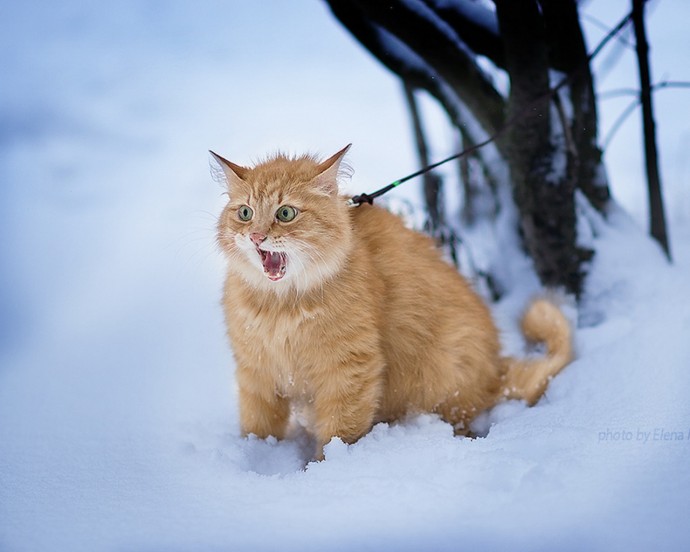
(357, 200)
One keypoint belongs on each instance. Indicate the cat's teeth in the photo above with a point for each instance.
(274, 264)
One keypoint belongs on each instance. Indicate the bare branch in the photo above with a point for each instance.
(433, 182)
(617, 92)
(476, 24)
(604, 27)
(619, 122)
(437, 44)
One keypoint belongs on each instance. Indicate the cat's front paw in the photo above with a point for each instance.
(319, 455)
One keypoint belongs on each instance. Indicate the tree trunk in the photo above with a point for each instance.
(568, 55)
(541, 166)
(657, 218)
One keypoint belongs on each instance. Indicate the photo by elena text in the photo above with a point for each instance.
(654, 435)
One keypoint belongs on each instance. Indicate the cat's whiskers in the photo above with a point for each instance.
(322, 276)
(296, 253)
(296, 258)
(316, 255)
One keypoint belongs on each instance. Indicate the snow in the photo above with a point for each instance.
(118, 414)
(558, 163)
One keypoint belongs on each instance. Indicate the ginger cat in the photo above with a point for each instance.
(347, 312)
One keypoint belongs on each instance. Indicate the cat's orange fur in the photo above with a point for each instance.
(367, 322)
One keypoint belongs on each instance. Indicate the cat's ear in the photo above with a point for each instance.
(234, 174)
(327, 179)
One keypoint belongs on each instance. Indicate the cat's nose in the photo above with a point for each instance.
(257, 238)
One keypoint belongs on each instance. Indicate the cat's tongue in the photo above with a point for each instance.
(274, 264)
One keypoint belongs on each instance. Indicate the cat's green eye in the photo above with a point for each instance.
(245, 213)
(286, 213)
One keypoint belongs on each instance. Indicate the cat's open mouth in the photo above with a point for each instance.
(274, 264)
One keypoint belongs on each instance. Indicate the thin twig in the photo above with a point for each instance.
(603, 26)
(670, 84)
(617, 92)
(618, 123)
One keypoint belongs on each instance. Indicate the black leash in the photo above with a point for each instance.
(357, 200)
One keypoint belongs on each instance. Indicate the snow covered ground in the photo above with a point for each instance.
(118, 422)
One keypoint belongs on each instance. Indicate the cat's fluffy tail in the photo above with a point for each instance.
(527, 379)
